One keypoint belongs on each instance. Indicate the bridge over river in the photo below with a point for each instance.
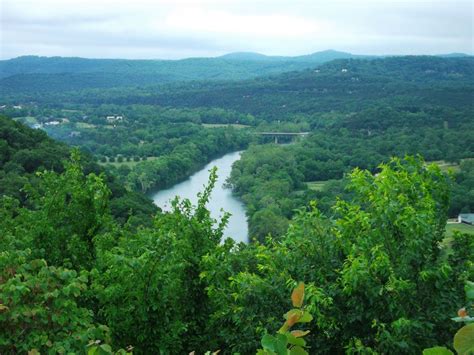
(286, 135)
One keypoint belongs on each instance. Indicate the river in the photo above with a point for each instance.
(221, 198)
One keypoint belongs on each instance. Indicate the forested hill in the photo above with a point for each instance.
(24, 152)
(29, 73)
(347, 85)
(239, 63)
(382, 275)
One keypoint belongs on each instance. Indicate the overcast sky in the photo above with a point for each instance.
(179, 29)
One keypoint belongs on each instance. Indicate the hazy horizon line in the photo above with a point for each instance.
(250, 52)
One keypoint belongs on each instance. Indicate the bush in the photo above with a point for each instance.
(39, 308)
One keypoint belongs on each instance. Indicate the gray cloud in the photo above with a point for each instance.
(177, 29)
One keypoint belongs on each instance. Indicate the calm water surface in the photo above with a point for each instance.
(221, 198)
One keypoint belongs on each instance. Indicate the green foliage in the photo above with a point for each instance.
(57, 74)
(271, 179)
(183, 156)
(95, 348)
(264, 178)
(437, 350)
(152, 277)
(40, 307)
(463, 189)
(378, 262)
(68, 211)
(179, 288)
(385, 275)
(464, 338)
(286, 342)
(24, 152)
(463, 313)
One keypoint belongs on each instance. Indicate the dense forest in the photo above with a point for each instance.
(275, 180)
(56, 74)
(24, 152)
(360, 113)
(68, 282)
(355, 210)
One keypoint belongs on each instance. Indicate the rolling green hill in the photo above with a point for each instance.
(28, 73)
(226, 66)
(217, 76)
(345, 85)
(24, 152)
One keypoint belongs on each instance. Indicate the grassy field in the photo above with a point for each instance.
(464, 228)
(217, 125)
(84, 125)
(316, 185)
(450, 229)
(445, 166)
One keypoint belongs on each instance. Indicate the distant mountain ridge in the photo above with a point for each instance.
(316, 57)
(26, 73)
(238, 65)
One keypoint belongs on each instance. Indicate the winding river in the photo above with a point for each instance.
(221, 198)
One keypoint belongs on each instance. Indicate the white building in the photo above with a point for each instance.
(467, 218)
(114, 118)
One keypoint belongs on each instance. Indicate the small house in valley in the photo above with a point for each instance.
(114, 118)
(467, 218)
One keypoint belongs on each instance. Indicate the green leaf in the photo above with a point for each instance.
(106, 348)
(464, 340)
(294, 340)
(276, 345)
(268, 342)
(297, 350)
(463, 319)
(437, 350)
(469, 288)
(280, 344)
(103, 349)
(307, 317)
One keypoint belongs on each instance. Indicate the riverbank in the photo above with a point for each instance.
(221, 200)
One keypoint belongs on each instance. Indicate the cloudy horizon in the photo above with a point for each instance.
(165, 29)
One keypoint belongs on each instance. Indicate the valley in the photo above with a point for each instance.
(338, 170)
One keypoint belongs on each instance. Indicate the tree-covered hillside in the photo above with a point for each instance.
(72, 280)
(84, 268)
(342, 85)
(360, 112)
(25, 152)
(56, 74)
